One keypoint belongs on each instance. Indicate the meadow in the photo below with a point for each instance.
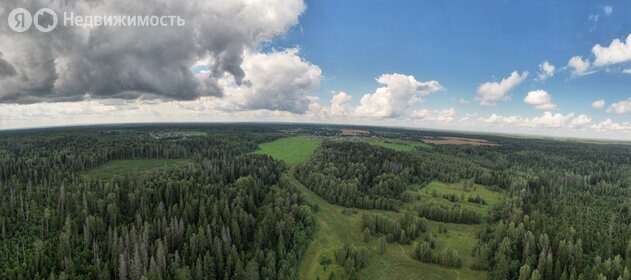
(435, 192)
(337, 226)
(291, 150)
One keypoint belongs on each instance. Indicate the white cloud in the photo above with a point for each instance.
(394, 98)
(598, 104)
(275, 81)
(579, 65)
(627, 71)
(594, 18)
(440, 116)
(339, 107)
(540, 99)
(339, 104)
(607, 9)
(580, 121)
(609, 125)
(491, 92)
(617, 52)
(546, 121)
(546, 70)
(621, 107)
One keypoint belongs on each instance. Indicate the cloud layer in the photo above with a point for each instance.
(72, 63)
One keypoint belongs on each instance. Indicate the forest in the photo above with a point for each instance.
(215, 201)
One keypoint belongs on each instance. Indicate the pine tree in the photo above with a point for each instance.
(381, 246)
(524, 272)
(367, 235)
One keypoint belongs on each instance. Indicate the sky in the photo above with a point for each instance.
(553, 68)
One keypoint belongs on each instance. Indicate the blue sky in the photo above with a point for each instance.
(463, 45)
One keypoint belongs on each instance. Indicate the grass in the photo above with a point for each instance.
(336, 227)
(292, 150)
(492, 198)
(459, 237)
(118, 167)
(401, 147)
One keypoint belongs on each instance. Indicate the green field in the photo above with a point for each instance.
(336, 227)
(119, 167)
(292, 150)
(401, 147)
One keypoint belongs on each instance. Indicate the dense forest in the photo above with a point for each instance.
(357, 174)
(229, 213)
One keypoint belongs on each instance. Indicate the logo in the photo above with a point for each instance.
(20, 20)
(45, 20)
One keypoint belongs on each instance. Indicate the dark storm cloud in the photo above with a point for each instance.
(6, 69)
(72, 63)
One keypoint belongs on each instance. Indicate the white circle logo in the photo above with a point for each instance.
(45, 20)
(20, 20)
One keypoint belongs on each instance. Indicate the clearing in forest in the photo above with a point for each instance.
(401, 147)
(120, 167)
(467, 195)
(457, 141)
(337, 226)
(292, 150)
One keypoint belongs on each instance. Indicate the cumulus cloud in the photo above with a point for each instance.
(394, 98)
(491, 92)
(621, 107)
(276, 81)
(579, 66)
(338, 108)
(598, 104)
(609, 125)
(546, 70)
(440, 116)
(617, 52)
(580, 121)
(627, 71)
(540, 99)
(547, 120)
(73, 63)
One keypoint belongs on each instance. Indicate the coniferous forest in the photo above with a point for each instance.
(206, 202)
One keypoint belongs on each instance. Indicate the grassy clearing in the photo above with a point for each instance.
(119, 167)
(459, 237)
(292, 150)
(337, 226)
(401, 147)
(434, 192)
